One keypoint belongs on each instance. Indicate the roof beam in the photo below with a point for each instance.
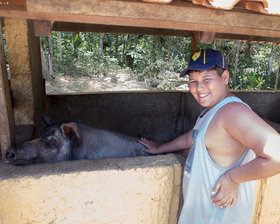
(83, 27)
(178, 15)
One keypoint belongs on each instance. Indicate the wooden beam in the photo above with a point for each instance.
(13, 4)
(6, 112)
(205, 37)
(177, 11)
(96, 28)
(158, 1)
(42, 28)
(194, 42)
(177, 15)
(246, 37)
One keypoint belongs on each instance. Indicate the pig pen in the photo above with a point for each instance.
(127, 190)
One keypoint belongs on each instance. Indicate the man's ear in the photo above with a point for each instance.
(70, 130)
(225, 77)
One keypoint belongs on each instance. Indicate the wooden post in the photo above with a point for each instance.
(23, 50)
(6, 112)
(42, 28)
(194, 40)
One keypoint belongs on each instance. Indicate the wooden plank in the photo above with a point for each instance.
(158, 1)
(6, 114)
(246, 37)
(194, 42)
(205, 37)
(177, 11)
(159, 24)
(96, 28)
(13, 4)
(42, 28)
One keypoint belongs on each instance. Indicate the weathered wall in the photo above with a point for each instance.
(129, 190)
(157, 115)
(25, 69)
(154, 115)
(265, 103)
(270, 204)
(267, 197)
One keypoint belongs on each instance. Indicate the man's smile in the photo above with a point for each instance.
(203, 95)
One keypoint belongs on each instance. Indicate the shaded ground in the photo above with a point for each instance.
(114, 82)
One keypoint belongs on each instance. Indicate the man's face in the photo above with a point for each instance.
(207, 87)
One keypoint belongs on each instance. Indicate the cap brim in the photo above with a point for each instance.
(196, 68)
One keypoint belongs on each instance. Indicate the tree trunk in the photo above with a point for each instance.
(50, 56)
(59, 45)
(270, 62)
(100, 47)
(124, 43)
(236, 58)
(152, 41)
(277, 75)
(45, 63)
(238, 43)
(116, 45)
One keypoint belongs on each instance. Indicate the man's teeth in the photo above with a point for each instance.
(203, 95)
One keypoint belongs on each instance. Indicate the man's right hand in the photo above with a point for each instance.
(152, 147)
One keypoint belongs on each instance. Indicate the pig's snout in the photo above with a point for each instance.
(11, 155)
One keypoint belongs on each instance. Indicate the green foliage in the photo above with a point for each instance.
(156, 59)
(248, 63)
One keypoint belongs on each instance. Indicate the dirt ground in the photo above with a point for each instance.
(109, 83)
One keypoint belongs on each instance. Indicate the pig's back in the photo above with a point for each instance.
(99, 143)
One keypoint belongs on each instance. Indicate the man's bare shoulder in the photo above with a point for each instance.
(245, 125)
(237, 115)
(235, 108)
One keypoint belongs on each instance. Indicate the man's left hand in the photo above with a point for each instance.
(225, 192)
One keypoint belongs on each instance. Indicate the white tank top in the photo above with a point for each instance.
(201, 174)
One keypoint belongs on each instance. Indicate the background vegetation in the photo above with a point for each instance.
(156, 59)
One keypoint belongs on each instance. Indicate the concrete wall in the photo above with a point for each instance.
(129, 190)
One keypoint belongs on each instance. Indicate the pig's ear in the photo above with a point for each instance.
(70, 130)
(46, 121)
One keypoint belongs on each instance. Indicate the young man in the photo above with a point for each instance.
(230, 146)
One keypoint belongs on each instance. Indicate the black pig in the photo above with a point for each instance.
(73, 141)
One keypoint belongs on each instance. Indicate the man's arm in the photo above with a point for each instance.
(250, 130)
(180, 143)
(256, 134)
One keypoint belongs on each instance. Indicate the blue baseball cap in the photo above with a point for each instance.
(205, 60)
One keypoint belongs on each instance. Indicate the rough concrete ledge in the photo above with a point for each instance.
(129, 190)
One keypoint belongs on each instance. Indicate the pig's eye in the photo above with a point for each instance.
(51, 142)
